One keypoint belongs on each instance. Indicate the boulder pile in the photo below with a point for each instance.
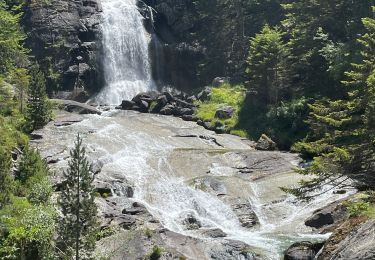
(177, 104)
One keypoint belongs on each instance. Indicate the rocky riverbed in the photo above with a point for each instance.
(167, 183)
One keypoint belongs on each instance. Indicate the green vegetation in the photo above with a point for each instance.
(309, 75)
(38, 111)
(225, 95)
(156, 253)
(78, 225)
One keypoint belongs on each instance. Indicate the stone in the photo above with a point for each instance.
(143, 106)
(186, 111)
(325, 219)
(204, 94)
(191, 99)
(214, 233)
(158, 104)
(191, 222)
(167, 110)
(127, 104)
(77, 107)
(148, 96)
(125, 221)
(224, 112)
(265, 144)
(136, 209)
(218, 81)
(319, 220)
(302, 251)
(189, 118)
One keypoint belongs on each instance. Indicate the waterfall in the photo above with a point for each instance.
(126, 64)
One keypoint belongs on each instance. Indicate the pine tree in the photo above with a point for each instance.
(343, 137)
(78, 225)
(38, 111)
(267, 65)
(5, 177)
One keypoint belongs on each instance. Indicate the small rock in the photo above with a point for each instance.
(167, 110)
(189, 118)
(191, 222)
(143, 106)
(218, 81)
(157, 105)
(214, 233)
(302, 251)
(265, 144)
(186, 111)
(224, 112)
(204, 94)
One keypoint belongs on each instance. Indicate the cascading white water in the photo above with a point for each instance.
(126, 62)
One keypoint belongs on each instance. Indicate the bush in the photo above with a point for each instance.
(358, 208)
(283, 123)
(156, 253)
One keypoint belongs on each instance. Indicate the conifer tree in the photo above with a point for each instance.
(78, 225)
(267, 64)
(343, 137)
(38, 108)
(5, 177)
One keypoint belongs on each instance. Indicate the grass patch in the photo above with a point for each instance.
(362, 206)
(224, 95)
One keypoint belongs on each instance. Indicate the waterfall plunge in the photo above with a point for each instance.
(127, 69)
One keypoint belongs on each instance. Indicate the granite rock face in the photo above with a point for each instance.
(64, 36)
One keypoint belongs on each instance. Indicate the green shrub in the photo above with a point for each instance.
(156, 253)
(359, 208)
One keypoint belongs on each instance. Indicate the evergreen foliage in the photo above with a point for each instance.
(77, 229)
(266, 65)
(343, 130)
(38, 111)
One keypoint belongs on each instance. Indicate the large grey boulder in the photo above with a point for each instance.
(77, 107)
(265, 144)
(325, 219)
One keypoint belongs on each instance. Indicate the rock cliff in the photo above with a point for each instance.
(63, 35)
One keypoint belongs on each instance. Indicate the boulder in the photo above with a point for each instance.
(148, 96)
(214, 233)
(224, 112)
(302, 251)
(169, 96)
(204, 94)
(218, 81)
(327, 218)
(319, 220)
(265, 144)
(80, 108)
(186, 111)
(136, 209)
(191, 222)
(167, 110)
(189, 118)
(127, 104)
(143, 106)
(158, 104)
